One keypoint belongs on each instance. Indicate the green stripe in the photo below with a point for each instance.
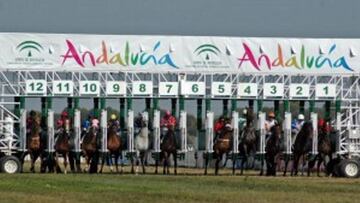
(30, 43)
(208, 46)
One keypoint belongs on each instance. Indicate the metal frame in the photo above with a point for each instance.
(12, 84)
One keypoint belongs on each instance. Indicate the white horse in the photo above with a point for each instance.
(142, 143)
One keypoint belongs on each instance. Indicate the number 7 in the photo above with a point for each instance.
(168, 88)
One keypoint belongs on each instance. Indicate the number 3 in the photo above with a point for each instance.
(273, 89)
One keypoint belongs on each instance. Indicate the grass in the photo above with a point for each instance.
(183, 188)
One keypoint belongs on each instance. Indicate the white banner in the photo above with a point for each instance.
(72, 52)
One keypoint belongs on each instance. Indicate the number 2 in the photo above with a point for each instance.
(299, 90)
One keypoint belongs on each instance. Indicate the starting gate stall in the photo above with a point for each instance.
(156, 133)
(130, 134)
(103, 129)
(262, 133)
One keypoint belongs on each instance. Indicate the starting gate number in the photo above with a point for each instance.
(168, 88)
(63, 87)
(299, 90)
(193, 88)
(247, 90)
(273, 90)
(325, 90)
(221, 89)
(142, 88)
(115, 88)
(35, 87)
(89, 88)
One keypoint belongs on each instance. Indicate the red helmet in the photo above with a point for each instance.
(321, 123)
(59, 122)
(167, 113)
(64, 114)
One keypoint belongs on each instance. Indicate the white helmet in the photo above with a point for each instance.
(301, 117)
(245, 111)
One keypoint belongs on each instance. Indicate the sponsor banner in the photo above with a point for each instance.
(73, 52)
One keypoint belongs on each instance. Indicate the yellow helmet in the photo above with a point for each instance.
(271, 114)
(113, 117)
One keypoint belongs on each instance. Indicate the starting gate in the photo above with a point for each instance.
(50, 132)
(209, 130)
(183, 131)
(130, 131)
(287, 133)
(157, 131)
(262, 119)
(314, 120)
(77, 131)
(235, 124)
(103, 127)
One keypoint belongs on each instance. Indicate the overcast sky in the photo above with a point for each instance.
(252, 18)
(268, 18)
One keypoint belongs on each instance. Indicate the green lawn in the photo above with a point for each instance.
(150, 188)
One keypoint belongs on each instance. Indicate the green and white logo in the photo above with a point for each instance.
(207, 50)
(29, 47)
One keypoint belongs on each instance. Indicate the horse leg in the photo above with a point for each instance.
(103, 157)
(137, 162)
(58, 170)
(165, 162)
(132, 164)
(320, 161)
(33, 160)
(143, 156)
(303, 165)
(218, 158)
(66, 155)
(294, 170)
(233, 162)
(206, 163)
(244, 160)
(175, 162)
(116, 157)
(287, 159)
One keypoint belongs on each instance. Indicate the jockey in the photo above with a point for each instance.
(168, 120)
(114, 121)
(86, 124)
(64, 120)
(30, 121)
(219, 126)
(324, 126)
(269, 123)
(242, 120)
(296, 125)
(95, 123)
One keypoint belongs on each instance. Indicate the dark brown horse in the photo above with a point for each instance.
(34, 143)
(168, 148)
(89, 146)
(114, 147)
(325, 148)
(301, 147)
(62, 147)
(247, 144)
(222, 145)
(272, 150)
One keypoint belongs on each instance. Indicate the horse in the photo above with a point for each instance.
(325, 148)
(62, 146)
(247, 144)
(222, 145)
(141, 145)
(168, 147)
(302, 146)
(114, 146)
(35, 145)
(272, 149)
(89, 146)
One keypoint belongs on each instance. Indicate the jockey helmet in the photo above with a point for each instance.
(64, 114)
(271, 114)
(167, 113)
(245, 111)
(301, 117)
(113, 117)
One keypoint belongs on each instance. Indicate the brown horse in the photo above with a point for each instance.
(62, 147)
(272, 149)
(114, 147)
(89, 146)
(34, 143)
(168, 148)
(301, 147)
(325, 148)
(222, 145)
(247, 144)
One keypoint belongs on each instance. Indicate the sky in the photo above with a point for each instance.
(241, 18)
